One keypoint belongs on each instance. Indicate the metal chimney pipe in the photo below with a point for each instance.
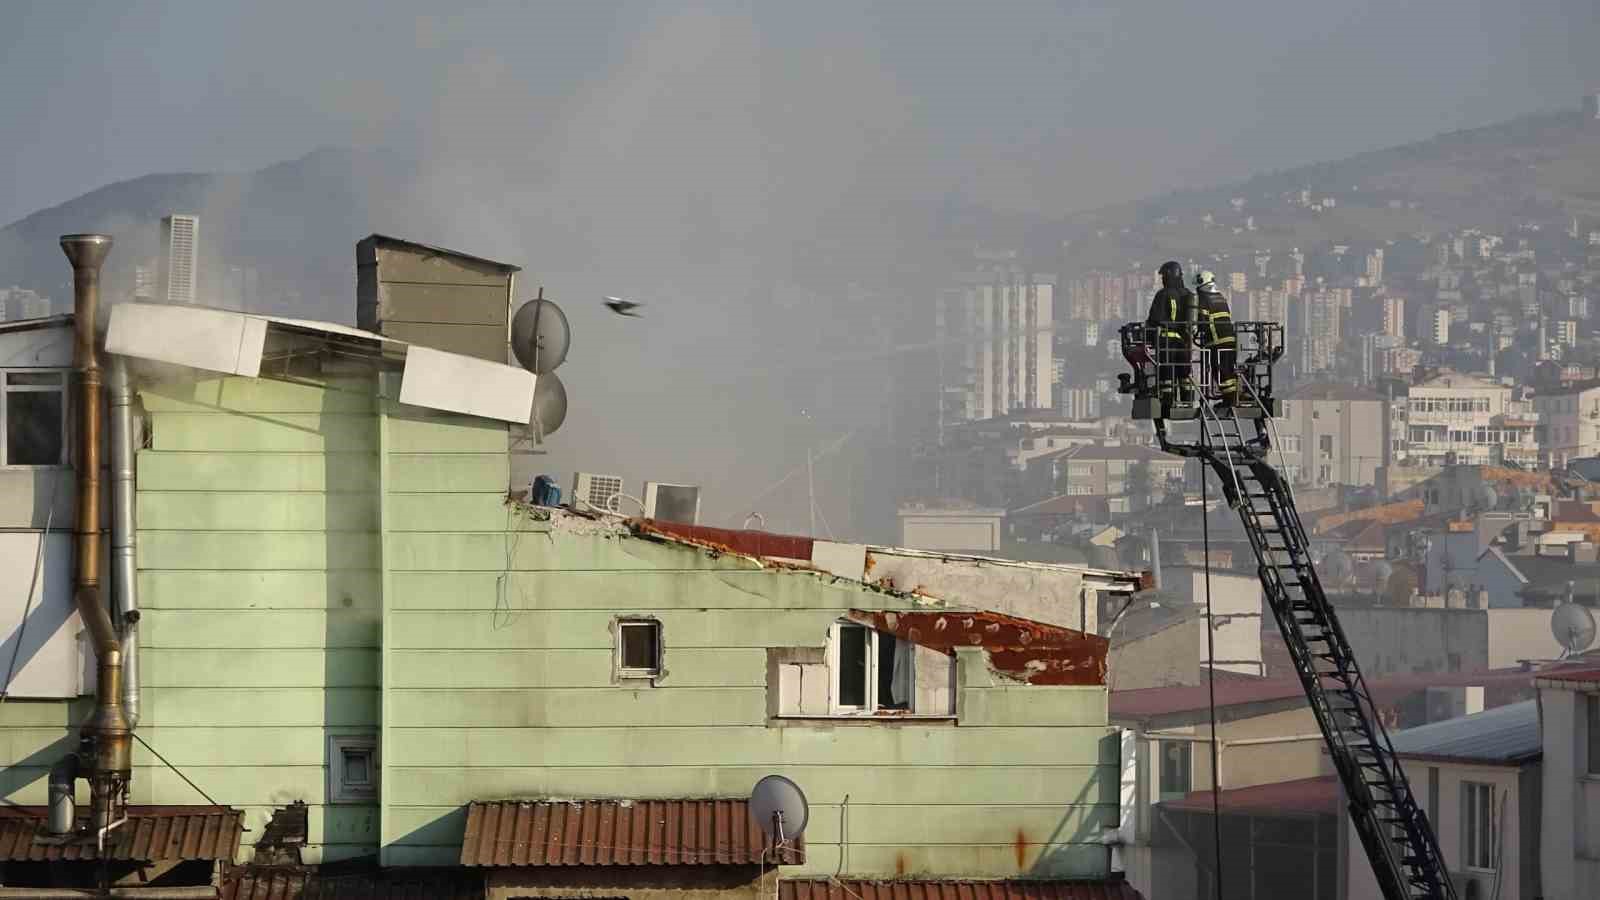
(124, 571)
(106, 738)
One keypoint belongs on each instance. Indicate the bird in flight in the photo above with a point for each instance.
(622, 307)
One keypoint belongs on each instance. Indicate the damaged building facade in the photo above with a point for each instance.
(352, 645)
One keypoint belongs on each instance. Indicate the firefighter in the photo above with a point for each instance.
(1171, 311)
(1217, 338)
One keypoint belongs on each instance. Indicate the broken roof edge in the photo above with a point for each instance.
(1122, 580)
(1018, 649)
(19, 325)
(235, 343)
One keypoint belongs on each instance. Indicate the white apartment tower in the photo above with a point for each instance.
(1005, 319)
(1394, 317)
(180, 246)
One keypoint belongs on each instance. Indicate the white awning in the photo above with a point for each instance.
(216, 340)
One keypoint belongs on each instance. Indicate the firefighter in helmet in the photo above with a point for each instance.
(1217, 338)
(1168, 332)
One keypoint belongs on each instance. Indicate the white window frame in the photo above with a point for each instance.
(339, 791)
(835, 708)
(1477, 800)
(639, 622)
(64, 389)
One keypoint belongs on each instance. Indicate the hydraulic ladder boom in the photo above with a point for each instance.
(1394, 830)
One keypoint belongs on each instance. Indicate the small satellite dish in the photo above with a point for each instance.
(1573, 627)
(549, 405)
(540, 335)
(780, 808)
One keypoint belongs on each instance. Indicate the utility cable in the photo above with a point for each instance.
(27, 609)
(175, 769)
(1211, 677)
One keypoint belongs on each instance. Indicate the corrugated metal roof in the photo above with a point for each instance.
(618, 833)
(1302, 796)
(297, 883)
(153, 833)
(746, 543)
(1014, 889)
(1505, 735)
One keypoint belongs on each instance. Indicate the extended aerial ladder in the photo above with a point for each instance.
(1172, 383)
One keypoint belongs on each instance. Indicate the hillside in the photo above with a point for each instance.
(1543, 167)
(296, 221)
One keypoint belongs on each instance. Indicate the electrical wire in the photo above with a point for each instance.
(27, 609)
(1211, 673)
(175, 769)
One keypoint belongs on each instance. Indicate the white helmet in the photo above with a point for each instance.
(1206, 282)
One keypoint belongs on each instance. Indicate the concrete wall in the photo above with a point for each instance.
(1391, 641)
(1030, 590)
(1570, 814)
(1517, 634)
(1518, 874)
(1159, 659)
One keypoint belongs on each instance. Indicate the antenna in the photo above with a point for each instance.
(1573, 627)
(780, 808)
(540, 339)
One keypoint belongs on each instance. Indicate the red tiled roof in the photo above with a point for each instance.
(1302, 796)
(300, 883)
(619, 833)
(153, 833)
(1577, 673)
(898, 889)
(745, 543)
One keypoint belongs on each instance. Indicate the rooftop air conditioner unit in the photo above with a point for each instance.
(602, 492)
(672, 502)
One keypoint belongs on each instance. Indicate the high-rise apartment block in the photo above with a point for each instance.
(1439, 325)
(1237, 282)
(1375, 267)
(1003, 319)
(180, 247)
(1394, 317)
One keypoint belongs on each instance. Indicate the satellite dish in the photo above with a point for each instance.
(549, 405)
(1573, 627)
(540, 335)
(780, 808)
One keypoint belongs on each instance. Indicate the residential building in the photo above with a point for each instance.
(1375, 267)
(17, 304)
(1466, 419)
(1238, 283)
(1438, 325)
(180, 259)
(1004, 318)
(1266, 305)
(1108, 469)
(1569, 836)
(950, 524)
(1169, 645)
(146, 281)
(1566, 332)
(1479, 778)
(1394, 317)
(1570, 417)
(1080, 403)
(339, 607)
(1332, 434)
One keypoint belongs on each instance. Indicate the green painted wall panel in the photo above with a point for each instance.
(247, 668)
(446, 434)
(246, 629)
(438, 512)
(222, 394)
(463, 472)
(1059, 861)
(533, 629)
(813, 742)
(976, 786)
(43, 713)
(599, 589)
(222, 707)
(236, 785)
(575, 708)
(1036, 704)
(684, 667)
(240, 589)
(256, 550)
(237, 511)
(242, 746)
(256, 472)
(264, 432)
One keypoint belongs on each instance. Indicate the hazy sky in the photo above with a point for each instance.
(1046, 106)
(709, 158)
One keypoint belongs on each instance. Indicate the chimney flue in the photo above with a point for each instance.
(106, 745)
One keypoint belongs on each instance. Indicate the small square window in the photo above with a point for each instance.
(352, 768)
(638, 648)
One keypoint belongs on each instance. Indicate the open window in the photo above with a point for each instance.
(638, 648)
(872, 672)
(352, 768)
(33, 417)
